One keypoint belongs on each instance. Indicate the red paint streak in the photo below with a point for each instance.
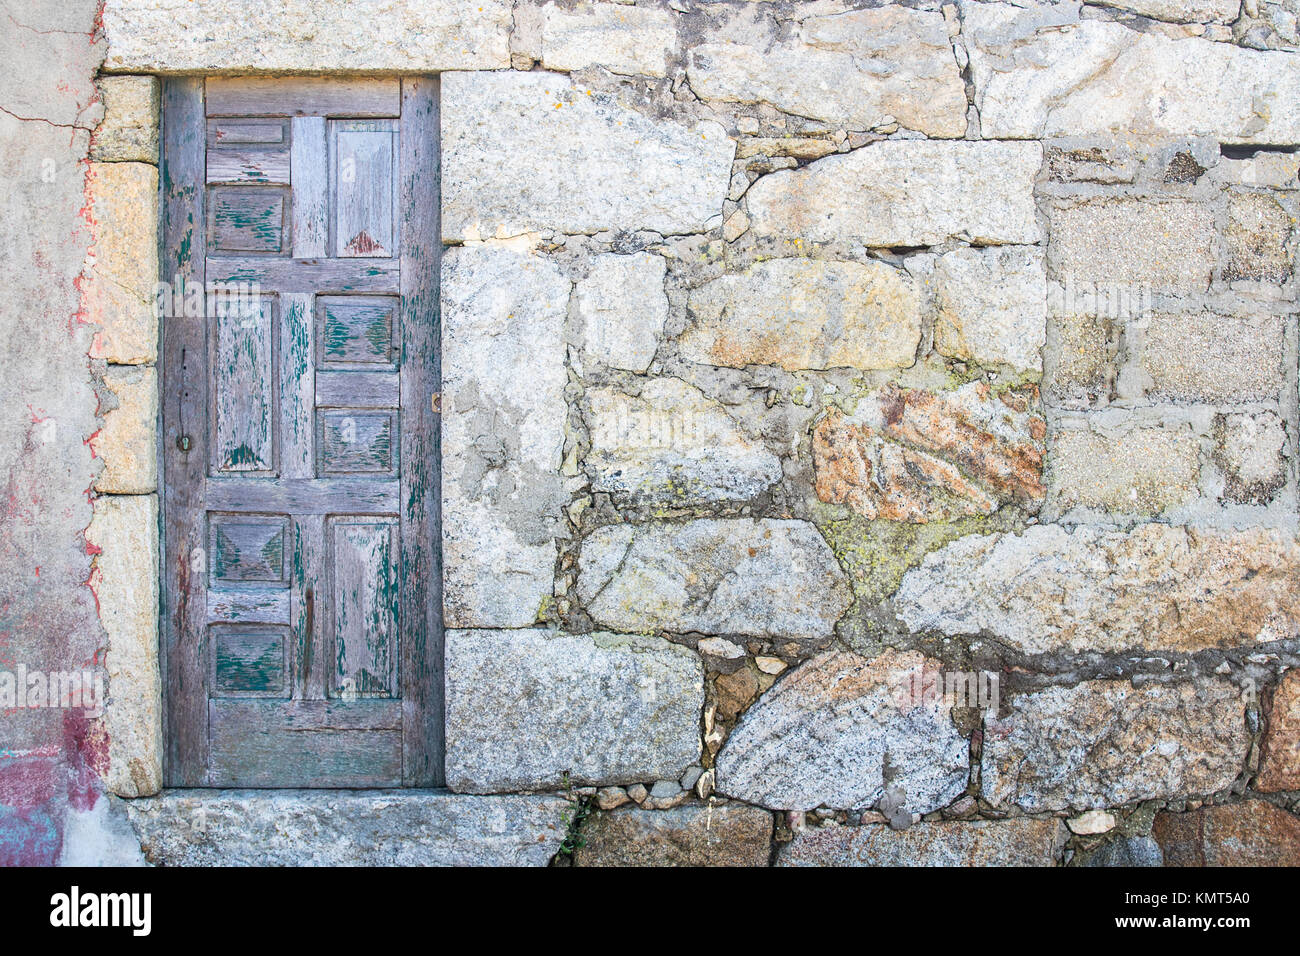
(85, 741)
(92, 585)
(83, 281)
(362, 244)
(29, 780)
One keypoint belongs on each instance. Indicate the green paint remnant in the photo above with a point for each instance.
(337, 336)
(242, 455)
(273, 554)
(378, 334)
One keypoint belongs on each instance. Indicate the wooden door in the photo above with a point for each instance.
(303, 642)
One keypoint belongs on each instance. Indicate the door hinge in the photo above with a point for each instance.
(435, 402)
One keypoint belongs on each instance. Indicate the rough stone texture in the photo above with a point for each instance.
(128, 441)
(621, 307)
(1258, 239)
(671, 444)
(347, 828)
(905, 193)
(129, 132)
(1280, 756)
(733, 692)
(1098, 161)
(1092, 822)
(1079, 370)
(730, 834)
(1250, 452)
(1137, 471)
(305, 36)
(797, 147)
(839, 729)
(806, 314)
(1104, 742)
(1035, 79)
(621, 38)
(913, 455)
(857, 70)
(1134, 243)
(503, 361)
(1022, 841)
(1252, 833)
(124, 577)
(1180, 11)
(601, 709)
(991, 306)
(1125, 851)
(1218, 359)
(119, 289)
(1157, 587)
(1279, 170)
(592, 164)
(758, 577)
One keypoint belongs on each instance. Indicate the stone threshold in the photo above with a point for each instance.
(347, 828)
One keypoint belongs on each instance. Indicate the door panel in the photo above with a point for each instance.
(244, 386)
(364, 166)
(248, 220)
(303, 643)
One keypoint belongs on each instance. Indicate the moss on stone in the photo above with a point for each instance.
(876, 554)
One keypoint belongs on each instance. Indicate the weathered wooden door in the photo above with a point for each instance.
(302, 638)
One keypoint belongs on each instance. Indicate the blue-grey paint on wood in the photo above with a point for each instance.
(303, 637)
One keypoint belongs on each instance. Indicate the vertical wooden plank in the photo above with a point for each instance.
(184, 440)
(310, 176)
(364, 604)
(421, 531)
(297, 384)
(243, 385)
(363, 189)
(310, 663)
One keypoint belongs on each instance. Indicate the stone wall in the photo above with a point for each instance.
(799, 357)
